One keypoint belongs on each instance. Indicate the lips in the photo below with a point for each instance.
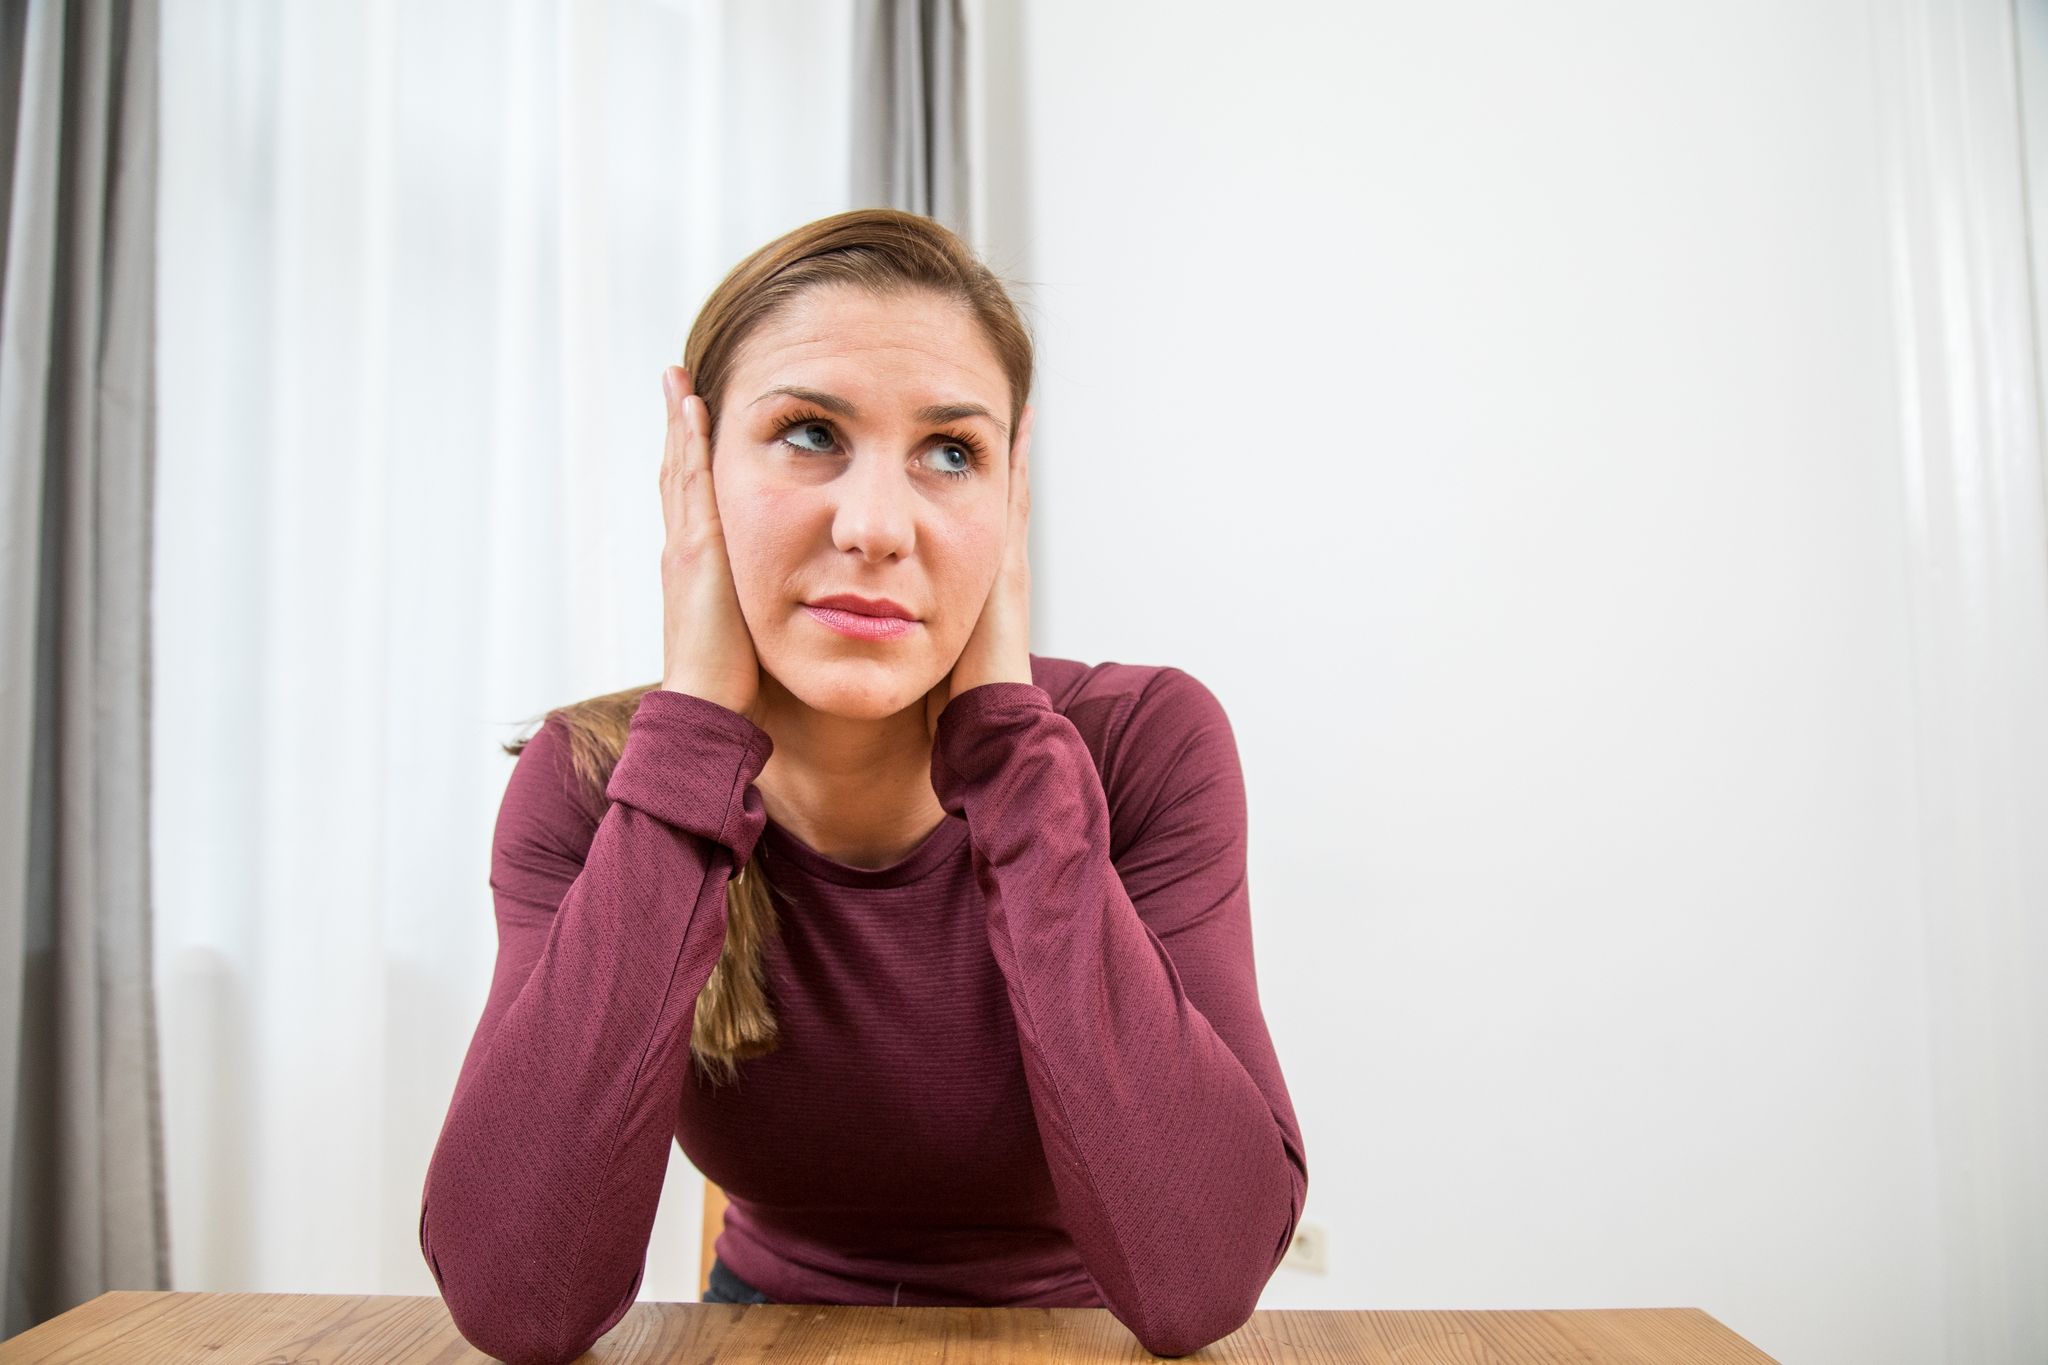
(864, 606)
(859, 625)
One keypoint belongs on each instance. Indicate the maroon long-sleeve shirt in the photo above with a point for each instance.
(1024, 1065)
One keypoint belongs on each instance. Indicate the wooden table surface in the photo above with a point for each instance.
(332, 1328)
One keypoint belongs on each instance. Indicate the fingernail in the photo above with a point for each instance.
(668, 387)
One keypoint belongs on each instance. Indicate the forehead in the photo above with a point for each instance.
(917, 346)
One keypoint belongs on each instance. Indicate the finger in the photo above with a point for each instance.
(674, 452)
(701, 504)
(1020, 463)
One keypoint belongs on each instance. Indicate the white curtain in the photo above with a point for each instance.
(421, 266)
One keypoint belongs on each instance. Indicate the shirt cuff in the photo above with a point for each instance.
(690, 763)
(976, 731)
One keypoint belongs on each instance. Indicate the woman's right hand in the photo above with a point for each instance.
(707, 650)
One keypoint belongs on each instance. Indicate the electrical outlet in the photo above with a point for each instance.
(1305, 1252)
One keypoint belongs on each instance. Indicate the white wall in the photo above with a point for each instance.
(1494, 404)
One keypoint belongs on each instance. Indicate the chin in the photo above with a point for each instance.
(856, 689)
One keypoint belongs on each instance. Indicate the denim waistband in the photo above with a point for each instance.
(726, 1287)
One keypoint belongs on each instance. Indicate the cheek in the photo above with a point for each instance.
(968, 557)
(762, 541)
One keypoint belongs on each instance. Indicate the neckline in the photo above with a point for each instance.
(938, 846)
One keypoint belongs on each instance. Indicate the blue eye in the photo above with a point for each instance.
(969, 450)
(968, 461)
(809, 427)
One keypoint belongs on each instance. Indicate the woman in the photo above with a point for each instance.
(935, 954)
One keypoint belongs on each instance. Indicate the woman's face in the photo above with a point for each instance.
(863, 484)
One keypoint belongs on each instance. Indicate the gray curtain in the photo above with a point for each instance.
(82, 1202)
(910, 110)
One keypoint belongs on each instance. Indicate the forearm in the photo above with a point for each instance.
(541, 1192)
(1179, 1181)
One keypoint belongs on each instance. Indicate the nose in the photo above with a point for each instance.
(876, 512)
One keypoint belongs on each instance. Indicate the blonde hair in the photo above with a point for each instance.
(884, 251)
(734, 1020)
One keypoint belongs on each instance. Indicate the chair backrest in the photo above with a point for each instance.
(714, 1223)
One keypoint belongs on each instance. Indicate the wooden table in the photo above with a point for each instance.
(337, 1328)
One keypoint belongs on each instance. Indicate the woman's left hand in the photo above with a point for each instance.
(999, 649)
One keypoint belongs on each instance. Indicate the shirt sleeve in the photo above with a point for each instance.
(1166, 1123)
(541, 1191)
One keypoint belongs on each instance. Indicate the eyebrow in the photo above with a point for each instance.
(935, 412)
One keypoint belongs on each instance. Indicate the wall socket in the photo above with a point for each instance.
(1305, 1252)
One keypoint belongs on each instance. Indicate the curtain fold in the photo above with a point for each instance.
(83, 1202)
(911, 115)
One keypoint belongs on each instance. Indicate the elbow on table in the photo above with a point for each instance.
(1188, 1329)
(517, 1335)
(1186, 1336)
(513, 1341)
(510, 1318)
(520, 1334)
